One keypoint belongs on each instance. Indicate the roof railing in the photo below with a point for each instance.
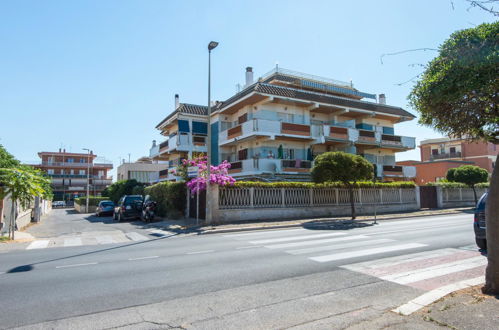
(301, 75)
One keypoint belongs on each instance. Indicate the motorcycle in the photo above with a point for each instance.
(148, 209)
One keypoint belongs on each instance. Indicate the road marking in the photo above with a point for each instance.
(136, 237)
(198, 252)
(77, 265)
(41, 244)
(288, 245)
(142, 258)
(248, 247)
(355, 254)
(434, 271)
(341, 246)
(72, 241)
(104, 239)
(294, 238)
(269, 232)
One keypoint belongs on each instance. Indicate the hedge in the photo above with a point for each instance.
(363, 184)
(448, 184)
(92, 200)
(170, 196)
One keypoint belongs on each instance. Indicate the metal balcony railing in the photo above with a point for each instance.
(446, 155)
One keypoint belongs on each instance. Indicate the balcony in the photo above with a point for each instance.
(267, 165)
(446, 155)
(69, 165)
(367, 137)
(398, 142)
(185, 143)
(295, 129)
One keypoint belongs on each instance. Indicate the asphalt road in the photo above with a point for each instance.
(249, 270)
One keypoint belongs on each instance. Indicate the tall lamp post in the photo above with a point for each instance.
(88, 179)
(212, 45)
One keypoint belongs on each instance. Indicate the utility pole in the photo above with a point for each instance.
(208, 217)
(88, 179)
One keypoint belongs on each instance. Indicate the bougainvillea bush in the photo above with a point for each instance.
(219, 174)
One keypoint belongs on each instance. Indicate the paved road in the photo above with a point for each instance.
(312, 277)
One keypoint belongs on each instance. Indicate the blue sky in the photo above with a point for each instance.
(101, 74)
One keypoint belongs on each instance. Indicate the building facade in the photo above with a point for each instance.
(144, 170)
(68, 173)
(275, 127)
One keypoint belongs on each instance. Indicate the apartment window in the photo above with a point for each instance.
(50, 171)
(82, 160)
(452, 150)
(243, 154)
(72, 172)
(285, 117)
(242, 119)
(70, 160)
(50, 159)
(434, 152)
(101, 174)
(82, 172)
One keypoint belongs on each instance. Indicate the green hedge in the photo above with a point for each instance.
(170, 196)
(92, 200)
(366, 184)
(448, 184)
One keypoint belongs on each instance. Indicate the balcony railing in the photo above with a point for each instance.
(295, 129)
(68, 164)
(446, 155)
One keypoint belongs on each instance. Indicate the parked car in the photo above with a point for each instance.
(479, 223)
(58, 204)
(104, 207)
(129, 206)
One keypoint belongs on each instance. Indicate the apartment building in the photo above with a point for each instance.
(440, 155)
(274, 127)
(185, 130)
(68, 173)
(144, 170)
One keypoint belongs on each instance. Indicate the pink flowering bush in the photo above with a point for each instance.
(219, 174)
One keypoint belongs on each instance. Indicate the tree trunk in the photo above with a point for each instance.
(474, 194)
(12, 226)
(492, 225)
(352, 201)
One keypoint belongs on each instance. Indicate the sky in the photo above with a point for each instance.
(101, 74)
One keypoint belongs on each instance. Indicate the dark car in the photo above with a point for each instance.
(129, 206)
(104, 207)
(479, 223)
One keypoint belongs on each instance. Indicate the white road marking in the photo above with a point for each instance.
(72, 241)
(77, 265)
(41, 244)
(341, 245)
(354, 254)
(136, 237)
(435, 271)
(248, 247)
(104, 239)
(269, 232)
(288, 245)
(198, 252)
(294, 238)
(142, 258)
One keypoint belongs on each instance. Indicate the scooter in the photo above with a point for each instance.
(148, 209)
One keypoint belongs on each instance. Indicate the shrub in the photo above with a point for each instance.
(92, 200)
(170, 196)
(120, 188)
(361, 184)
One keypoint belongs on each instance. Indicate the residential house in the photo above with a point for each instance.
(145, 170)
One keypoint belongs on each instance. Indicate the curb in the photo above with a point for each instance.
(434, 295)
(242, 229)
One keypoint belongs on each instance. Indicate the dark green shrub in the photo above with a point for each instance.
(92, 200)
(361, 184)
(170, 196)
(120, 188)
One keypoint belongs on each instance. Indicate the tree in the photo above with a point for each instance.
(457, 95)
(23, 183)
(343, 167)
(470, 175)
(121, 188)
(450, 174)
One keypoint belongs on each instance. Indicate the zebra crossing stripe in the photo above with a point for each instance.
(41, 244)
(136, 237)
(341, 245)
(72, 241)
(362, 253)
(104, 239)
(294, 238)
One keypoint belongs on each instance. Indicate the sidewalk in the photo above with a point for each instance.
(463, 310)
(189, 225)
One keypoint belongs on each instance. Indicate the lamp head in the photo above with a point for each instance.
(212, 45)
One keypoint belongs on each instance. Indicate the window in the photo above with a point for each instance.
(50, 159)
(285, 117)
(82, 160)
(70, 160)
(452, 150)
(434, 152)
(50, 171)
(101, 174)
(72, 172)
(82, 172)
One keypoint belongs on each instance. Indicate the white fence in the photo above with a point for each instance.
(256, 203)
(458, 197)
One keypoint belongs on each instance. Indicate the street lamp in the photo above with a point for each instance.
(88, 179)
(212, 45)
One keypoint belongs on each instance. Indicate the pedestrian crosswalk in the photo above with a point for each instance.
(98, 238)
(427, 270)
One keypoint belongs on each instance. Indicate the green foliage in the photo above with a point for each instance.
(457, 94)
(6, 159)
(23, 183)
(138, 190)
(470, 175)
(341, 166)
(121, 188)
(447, 184)
(361, 184)
(92, 200)
(483, 185)
(170, 196)
(450, 174)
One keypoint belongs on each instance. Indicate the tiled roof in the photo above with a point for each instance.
(263, 88)
(192, 109)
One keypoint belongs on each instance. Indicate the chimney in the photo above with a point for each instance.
(153, 143)
(177, 102)
(382, 99)
(60, 150)
(249, 76)
(64, 150)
